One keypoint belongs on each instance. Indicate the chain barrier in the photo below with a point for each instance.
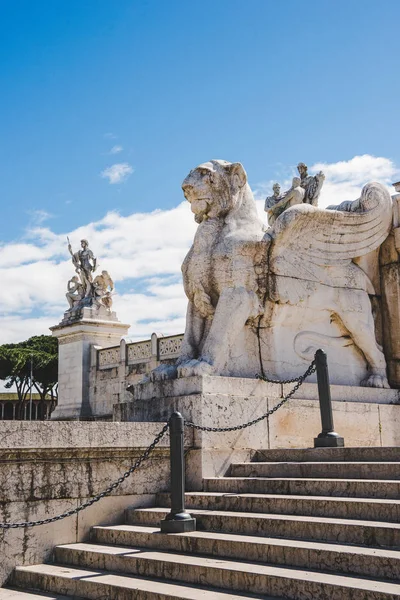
(100, 495)
(278, 381)
(300, 380)
(69, 513)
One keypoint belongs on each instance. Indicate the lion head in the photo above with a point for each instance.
(214, 188)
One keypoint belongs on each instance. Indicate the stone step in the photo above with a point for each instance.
(327, 470)
(232, 575)
(345, 531)
(363, 454)
(13, 594)
(351, 488)
(366, 509)
(370, 562)
(96, 584)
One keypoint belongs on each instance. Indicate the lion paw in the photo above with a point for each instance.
(162, 373)
(195, 368)
(376, 381)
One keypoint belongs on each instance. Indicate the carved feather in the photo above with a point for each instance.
(306, 238)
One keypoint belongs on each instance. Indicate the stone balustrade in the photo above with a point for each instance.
(160, 348)
(138, 352)
(108, 357)
(115, 368)
(170, 347)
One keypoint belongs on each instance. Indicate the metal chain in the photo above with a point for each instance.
(279, 381)
(299, 383)
(100, 495)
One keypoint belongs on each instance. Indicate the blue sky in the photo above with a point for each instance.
(159, 86)
(177, 82)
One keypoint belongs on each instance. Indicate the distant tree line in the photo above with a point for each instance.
(15, 369)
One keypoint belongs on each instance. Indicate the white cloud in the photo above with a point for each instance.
(39, 216)
(143, 253)
(117, 173)
(344, 179)
(116, 149)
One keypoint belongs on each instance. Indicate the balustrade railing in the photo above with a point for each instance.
(158, 348)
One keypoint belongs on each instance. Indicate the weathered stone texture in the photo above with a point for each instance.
(47, 468)
(75, 383)
(265, 301)
(363, 416)
(390, 280)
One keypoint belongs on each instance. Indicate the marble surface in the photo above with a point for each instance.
(363, 416)
(47, 468)
(76, 340)
(83, 289)
(267, 300)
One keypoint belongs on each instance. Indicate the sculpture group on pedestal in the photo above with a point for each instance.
(82, 289)
(263, 300)
(305, 188)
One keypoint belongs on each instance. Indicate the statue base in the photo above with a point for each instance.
(77, 334)
(87, 311)
(362, 416)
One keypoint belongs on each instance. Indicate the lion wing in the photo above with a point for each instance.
(306, 238)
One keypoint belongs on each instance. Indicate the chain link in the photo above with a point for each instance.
(69, 513)
(278, 381)
(300, 380)
(100, 495)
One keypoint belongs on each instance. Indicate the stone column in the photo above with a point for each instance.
(75, 339)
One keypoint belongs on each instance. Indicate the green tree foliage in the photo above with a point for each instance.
(15, 369)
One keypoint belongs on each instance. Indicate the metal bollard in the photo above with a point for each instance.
(328, 438)
(178, 520)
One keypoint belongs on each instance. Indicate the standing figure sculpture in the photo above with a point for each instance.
(305, 189)
(277, 204)
(271, 202)
(85, 263)
(311, 184)
(84, 291)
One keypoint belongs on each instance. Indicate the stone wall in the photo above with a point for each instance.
(113, 369)
(50, 467)
(390, 284)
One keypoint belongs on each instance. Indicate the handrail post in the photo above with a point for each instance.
(178, 520)
(328, 438)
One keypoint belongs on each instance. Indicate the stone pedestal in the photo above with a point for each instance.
(363, 416)
(76, 336)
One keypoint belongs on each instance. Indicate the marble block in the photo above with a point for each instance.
(231, 401)
(246, 387)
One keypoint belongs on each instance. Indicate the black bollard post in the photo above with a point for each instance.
(178, 520)
(328, 438)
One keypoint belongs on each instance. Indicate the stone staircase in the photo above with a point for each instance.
(295, 524)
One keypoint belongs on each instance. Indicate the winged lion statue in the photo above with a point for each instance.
(260, 299)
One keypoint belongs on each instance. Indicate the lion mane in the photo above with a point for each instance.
(223, 204)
